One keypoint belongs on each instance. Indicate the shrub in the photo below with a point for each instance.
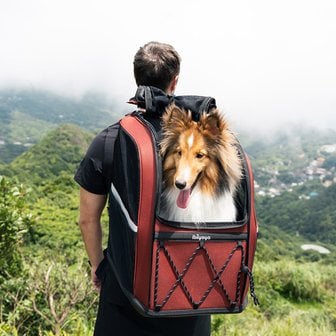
(15, 222)
(51, 296)
(294, 281)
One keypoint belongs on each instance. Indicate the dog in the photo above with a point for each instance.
(201, 167)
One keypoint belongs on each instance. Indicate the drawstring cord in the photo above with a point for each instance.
(254, 296)
(252, 293)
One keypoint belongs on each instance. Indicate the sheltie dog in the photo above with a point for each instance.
(201, 167)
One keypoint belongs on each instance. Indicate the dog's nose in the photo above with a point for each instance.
(180, 184)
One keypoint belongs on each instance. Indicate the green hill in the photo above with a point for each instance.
(27, 115)
(59, 151)
(297, 213)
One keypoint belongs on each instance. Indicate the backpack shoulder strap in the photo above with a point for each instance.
(111, 136)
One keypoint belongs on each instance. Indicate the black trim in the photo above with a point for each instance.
(199, 236)
(133, 209)
(191, 312)
(204, 225)
(248, 207)
(135, 303)
(111, 137)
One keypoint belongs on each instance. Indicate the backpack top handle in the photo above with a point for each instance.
(155, 101)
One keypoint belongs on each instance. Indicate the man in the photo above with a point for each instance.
(155, 64)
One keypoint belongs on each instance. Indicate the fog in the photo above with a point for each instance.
(267, 63)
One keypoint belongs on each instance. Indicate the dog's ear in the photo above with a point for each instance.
(213, 123)
(175, 116)
(172, 121)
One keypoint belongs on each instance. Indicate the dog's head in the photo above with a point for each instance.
(197, 151)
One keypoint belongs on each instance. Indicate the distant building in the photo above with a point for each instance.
(328, 149)
(317, 248)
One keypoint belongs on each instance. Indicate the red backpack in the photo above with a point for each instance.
(169, 269)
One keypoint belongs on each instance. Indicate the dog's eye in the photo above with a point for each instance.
(179, 153)
(199, 155)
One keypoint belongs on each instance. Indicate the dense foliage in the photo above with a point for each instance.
(53, 295)
(313, 218)
(15, 223)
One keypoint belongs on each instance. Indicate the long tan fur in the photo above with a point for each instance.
(212, 141)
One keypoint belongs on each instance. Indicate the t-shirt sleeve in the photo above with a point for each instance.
(90, 175)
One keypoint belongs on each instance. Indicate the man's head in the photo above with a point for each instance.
(157, 64)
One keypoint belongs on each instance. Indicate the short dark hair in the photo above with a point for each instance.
(156, 64)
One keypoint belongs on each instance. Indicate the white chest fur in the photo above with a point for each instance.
(201, 208)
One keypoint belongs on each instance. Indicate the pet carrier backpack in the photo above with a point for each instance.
(172, 268)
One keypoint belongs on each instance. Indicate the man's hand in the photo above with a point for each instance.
(95, 280)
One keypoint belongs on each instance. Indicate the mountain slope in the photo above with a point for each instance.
(295, 212)
(27, 115)
(59, 151)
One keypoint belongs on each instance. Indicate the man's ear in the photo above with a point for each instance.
(172, 85)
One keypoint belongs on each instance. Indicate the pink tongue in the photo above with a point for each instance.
(183, 198)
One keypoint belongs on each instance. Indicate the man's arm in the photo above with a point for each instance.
(90, 210)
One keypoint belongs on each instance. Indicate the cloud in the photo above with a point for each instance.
(265, 62)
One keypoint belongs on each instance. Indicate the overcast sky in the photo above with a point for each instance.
(264, 61)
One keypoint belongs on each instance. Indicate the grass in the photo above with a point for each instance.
(296, 299)
(295, 322)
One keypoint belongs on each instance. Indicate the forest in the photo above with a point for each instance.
(45, 285)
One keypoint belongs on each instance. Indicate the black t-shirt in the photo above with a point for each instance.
(90, 174)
